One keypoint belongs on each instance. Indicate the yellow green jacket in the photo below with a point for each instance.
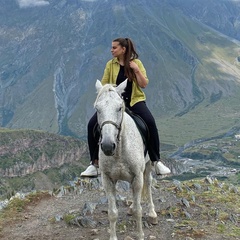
(110, 76)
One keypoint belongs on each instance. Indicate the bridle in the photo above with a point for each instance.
(118, 126)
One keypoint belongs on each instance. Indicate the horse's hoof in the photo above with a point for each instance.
(153, 220)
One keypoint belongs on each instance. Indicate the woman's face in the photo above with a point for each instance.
(117, 50)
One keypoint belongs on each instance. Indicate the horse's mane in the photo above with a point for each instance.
(105, 88)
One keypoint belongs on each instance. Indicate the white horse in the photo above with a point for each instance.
(121, 155)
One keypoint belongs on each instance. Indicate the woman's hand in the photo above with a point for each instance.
(134, 66)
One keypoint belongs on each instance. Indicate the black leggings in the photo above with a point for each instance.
(140, 109)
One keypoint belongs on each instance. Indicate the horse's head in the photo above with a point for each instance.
(110, 109)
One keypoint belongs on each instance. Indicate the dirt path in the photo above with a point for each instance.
(43, 220)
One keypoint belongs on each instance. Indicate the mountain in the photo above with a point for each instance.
(24, 152)
(52, 52)
(33, 159)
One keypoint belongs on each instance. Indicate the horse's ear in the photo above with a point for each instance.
(121, 87)
(98, 85)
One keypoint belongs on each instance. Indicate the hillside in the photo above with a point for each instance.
(205, 208)
(52, 52)
(36, 160)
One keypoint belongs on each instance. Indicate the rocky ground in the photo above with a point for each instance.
(201, 209)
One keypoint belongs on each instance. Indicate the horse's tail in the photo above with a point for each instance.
(147, 183)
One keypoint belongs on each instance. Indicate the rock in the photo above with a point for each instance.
(233, 189)
(188, 215)
(94, 231)
(128, 238)
(58, 218)
(178, 185)
(197, 186)
(152, 237)
(185, 202)
(83, 221)
(88, 208)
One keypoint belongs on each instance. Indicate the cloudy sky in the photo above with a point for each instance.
(32, 3)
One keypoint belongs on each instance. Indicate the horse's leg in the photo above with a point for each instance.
(152, 215)
(110, 190)
(137, 186)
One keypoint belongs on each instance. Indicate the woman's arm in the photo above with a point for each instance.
(106, 75)
(140, 73)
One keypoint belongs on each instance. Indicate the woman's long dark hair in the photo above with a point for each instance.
(130, 54)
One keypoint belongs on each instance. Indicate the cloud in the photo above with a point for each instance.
(32, 3)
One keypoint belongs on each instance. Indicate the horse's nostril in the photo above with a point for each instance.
(108, 148)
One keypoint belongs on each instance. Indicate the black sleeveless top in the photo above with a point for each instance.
(128, 90)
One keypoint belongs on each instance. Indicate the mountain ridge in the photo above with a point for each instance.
(53, 54)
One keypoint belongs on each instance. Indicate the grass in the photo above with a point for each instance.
(214, 204)
(68, 218)
(202, 122)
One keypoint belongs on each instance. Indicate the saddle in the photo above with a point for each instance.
(141, 125)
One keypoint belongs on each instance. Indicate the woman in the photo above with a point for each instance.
(125, 64)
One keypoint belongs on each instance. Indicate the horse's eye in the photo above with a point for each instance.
(120, 109)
